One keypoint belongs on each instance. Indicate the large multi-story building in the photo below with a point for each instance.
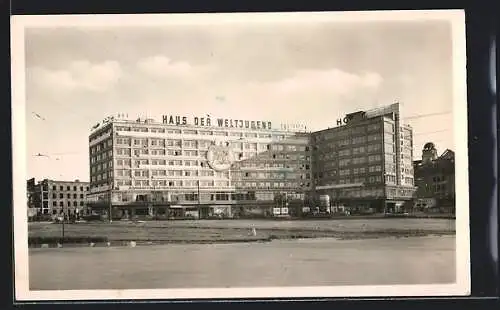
(205, 167)
(435, 180)
(52, 197)
(365, 163)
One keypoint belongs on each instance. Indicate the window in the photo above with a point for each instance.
(68, 196)
(358, 140)
(374, 158)
(345, 153)
(373, 127)
(61, 188)
(344, 162)
(68, 188)
(343, 172)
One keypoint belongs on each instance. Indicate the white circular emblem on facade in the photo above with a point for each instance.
(220, 157)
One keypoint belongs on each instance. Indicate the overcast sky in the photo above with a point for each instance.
(311, 73)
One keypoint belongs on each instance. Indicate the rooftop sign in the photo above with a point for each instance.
(216, 122)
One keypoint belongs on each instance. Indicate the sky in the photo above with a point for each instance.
(312, 73)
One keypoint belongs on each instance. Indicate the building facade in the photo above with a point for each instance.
(365, 164)
(203, 167)
(435, 180)
(55, 198)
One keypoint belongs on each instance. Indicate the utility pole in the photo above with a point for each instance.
(110, 211)
(286, 203)
(330, 205)
(64, 219)
(153, 198)
(199, 201)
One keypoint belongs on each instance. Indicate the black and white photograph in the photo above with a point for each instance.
(240, 155)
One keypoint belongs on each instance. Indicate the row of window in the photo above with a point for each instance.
(437, 179)
(391, 179)
(357, 180)
(217, 196)
(269, 175)
(362, 170)
(344, 132)
(354, 171)
(100, 134)
(199, 132)
(358, 193)
(68, 203)
(101, 176)
(357, 140)
(408, 181)
(69, 188)
(241, 156)
(392, 192)
(354, 141)
(221, 196)
(211, 173)
(193, 153)
(251, 165)
(236, 166)
(203, 144)
(101, 167)
(435, 188)
(102, 156)
(174, 173)
(359, 160)
(101, 146)
(208, 183)
(61, 196)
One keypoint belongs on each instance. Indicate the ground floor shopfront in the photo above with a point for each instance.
(247, 210)
(195, 211)
(363, 206)
(246, 204)
(360, 199)
(193, 204)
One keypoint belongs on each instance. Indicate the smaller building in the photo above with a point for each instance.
(435, 180)
(50, 198)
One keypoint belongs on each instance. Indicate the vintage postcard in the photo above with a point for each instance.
(270, 155)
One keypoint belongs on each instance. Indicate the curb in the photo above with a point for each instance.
(132, 244)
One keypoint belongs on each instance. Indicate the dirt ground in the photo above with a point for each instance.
(224, 230)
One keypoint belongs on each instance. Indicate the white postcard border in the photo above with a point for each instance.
(21, 266)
